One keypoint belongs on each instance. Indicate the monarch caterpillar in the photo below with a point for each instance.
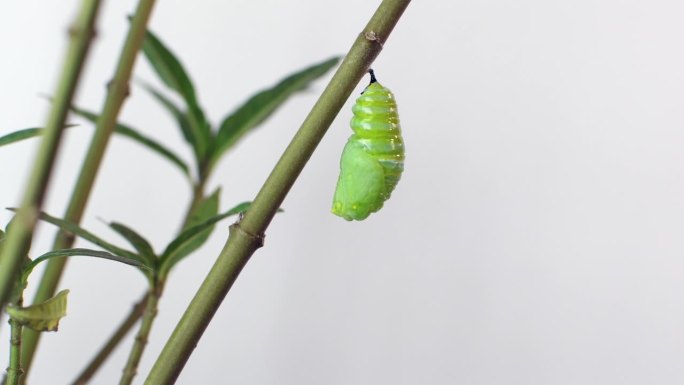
(373, 158)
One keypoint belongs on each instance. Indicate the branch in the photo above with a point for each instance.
(116, 94)
(107, 349)
(137, 312)
(14, 370)
(246, 236)
(131, 368)
(18, 239)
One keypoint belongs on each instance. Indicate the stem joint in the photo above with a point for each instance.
(257, 240)
(117, 86)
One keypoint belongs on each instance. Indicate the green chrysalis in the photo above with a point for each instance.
(373, 158)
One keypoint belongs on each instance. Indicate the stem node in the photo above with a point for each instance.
(68, 238)
(256, 240)
(122, 88)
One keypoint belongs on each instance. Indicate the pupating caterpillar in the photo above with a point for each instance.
(373, 158)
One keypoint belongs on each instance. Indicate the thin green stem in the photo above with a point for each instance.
(247, 236)
(197, 198)
(116, 338)
(14, 370)
(137, 311)
(183, 341)
(18, 239)
(131, 368)
(116, 94)
(150, 313)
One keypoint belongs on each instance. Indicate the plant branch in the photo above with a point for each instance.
(116, 93)
(116, 338)
(18, 239)
(197, 197)
(247, 236)
(131, 368)
(138, 310)
(14, 370)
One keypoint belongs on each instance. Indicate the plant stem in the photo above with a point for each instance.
(131, 368)
(195, 321)
(14, 370)
(116, 93)
(197, 197)
(247, 236)
(128, 323)
(18, 239)
(137, 311)
(153, 297)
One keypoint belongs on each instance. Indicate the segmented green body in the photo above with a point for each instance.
(373, 158)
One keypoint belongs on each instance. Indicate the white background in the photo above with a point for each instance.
(535, 237)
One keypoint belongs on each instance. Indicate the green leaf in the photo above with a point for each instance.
(28, 268)
(41, 317)
(17, 136)
(88, 236)
(26, 133)
(206, 209)
(167, 66)
(154, 146)
(173, 109)
(19, 285)
(260, 106)
(136, 240)
(171, 72)
(175, 250)
(146, 141)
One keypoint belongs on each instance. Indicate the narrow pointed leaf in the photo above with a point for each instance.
(173, 109)
(136, 240)
(28, 268)
(167, 66)
(198, 123)
(175, 250)
(172, 73)
(42, 317)
(146, 141)
(90, 237)
(206, 209)
(260, 106)
(20, 135)
(154, 146)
